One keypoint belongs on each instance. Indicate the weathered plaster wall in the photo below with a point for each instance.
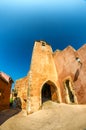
(21, 86)
(53, 69)
(81, 82)
(67, 67)
(42, 70)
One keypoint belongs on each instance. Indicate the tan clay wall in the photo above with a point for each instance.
(54, 69)
(5, 89)
(21, 86)
(81, 82)
(42, 70)
(67, 67)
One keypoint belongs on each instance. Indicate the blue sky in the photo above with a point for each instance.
(58, 22)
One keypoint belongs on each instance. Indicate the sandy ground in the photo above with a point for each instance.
(53, 116)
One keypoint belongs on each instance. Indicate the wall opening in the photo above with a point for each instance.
(49, 92)
(43, 43)
(46, 92)
(69, 90)
(71, 95)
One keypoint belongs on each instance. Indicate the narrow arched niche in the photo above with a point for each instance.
(70, 96)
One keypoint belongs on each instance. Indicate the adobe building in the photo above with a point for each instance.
(59, 76)
(5, 90)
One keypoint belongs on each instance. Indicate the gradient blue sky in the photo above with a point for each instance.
(58, 22)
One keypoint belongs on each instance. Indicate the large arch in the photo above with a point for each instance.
(49, 92)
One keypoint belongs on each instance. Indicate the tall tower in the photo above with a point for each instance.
(42, 77)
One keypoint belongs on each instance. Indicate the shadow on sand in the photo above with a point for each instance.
(6, 114)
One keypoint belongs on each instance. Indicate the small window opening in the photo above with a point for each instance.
(43, 43)
(78, 60)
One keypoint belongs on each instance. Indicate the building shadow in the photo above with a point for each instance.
(6, 114)
(76, 75)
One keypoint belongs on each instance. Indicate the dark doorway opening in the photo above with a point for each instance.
(46, 92)
(71, 96)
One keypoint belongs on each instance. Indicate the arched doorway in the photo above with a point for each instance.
(49, 92)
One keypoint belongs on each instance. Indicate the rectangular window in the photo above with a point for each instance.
(43, 43)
